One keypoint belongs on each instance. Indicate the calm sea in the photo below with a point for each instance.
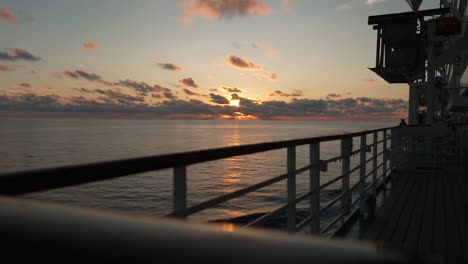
(40, 143)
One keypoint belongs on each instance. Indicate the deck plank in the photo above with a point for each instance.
(417, 217)
(427, 224)
(462, 203)
(385, 213)
(439, 242)
(454, 249)
(409, 207)
(427, 213)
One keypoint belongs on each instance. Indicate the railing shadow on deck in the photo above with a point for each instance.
(353, 199)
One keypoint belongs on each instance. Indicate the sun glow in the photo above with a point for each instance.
(235, 103)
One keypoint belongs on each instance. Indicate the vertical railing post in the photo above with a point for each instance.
(384, 157)
(315, 188)
(374, 165)
(392, 150)
(346, 149)
(362, 175)
(395, 150)
(291, 186)
(179, 190)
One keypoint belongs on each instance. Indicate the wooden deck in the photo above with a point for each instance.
(426, 213)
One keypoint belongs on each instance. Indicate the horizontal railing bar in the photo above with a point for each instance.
(303, 197)
(17, 183)
(304, 223)
(325, 185)
(370, 173)
(235, 194)
(352, 153)
(265, 217)
(331, 203)
(356, 201)
(331, 224)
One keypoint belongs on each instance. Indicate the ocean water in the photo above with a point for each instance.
(44, 142)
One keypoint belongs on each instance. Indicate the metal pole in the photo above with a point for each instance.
(385, 156)
(393, 150)
(374, 165)
(346, 149)
(362, 175)
(180, 189)
(291, 186)
(430, 71)
(315, 188)
(413, 110)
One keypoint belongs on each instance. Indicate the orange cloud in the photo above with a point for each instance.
(268, 76)
(189, 82)
(241, 63)
(294, 93)
(169, 66)
(7, 16)
(89, 46)
(219, 9)
(7, 67)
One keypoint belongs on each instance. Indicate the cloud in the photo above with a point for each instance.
(7, 67)
(268, 76)
(76, 74)
(169, 66)
(190, 93)
(89, 46)
(235, 96)
(25, 85)
(30, 101)
(170, 95)
(333, 95)
(220, 9)
(294, 93)
(7, 16)
(232, 90)
(18, 54)
(296, 109)
(241, 63)
(373, 2)
(140, 87)
(84, 90)
(119, 97)
(189, 82)
(159, 88)
(107, 83)
(218, 99)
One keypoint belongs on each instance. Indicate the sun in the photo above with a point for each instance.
(235, 103)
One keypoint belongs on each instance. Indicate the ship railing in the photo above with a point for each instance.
(385, 146)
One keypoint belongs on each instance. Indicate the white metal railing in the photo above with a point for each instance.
(352, 199)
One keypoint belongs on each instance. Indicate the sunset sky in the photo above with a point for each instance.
(277, 59)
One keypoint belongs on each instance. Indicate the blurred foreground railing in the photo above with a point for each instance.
(352, 198)
(60, 234)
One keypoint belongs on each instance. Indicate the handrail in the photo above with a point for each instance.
(46, 179)
(133, 239)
